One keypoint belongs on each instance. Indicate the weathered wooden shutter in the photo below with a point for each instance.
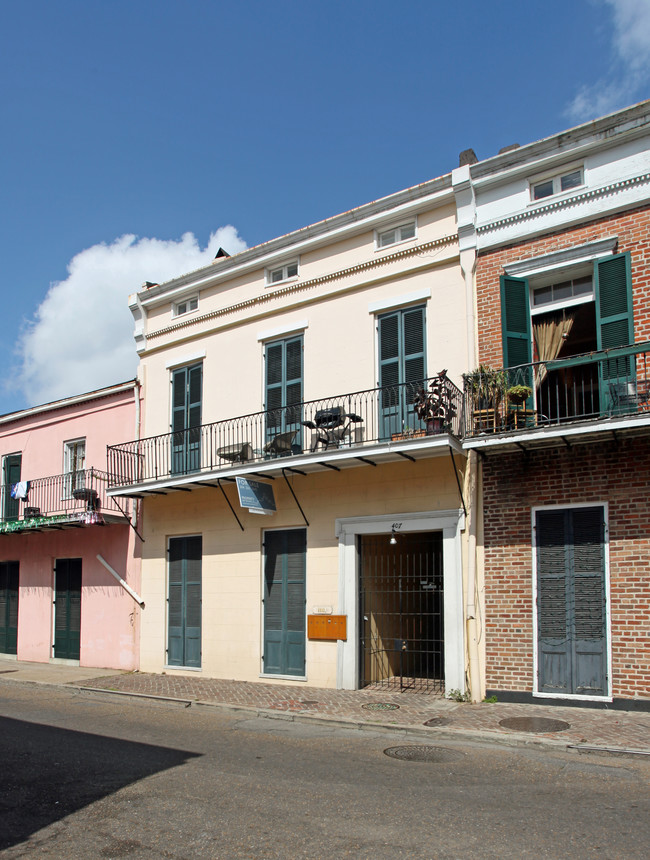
(515, 321)
(9, 578)
(67, 608)
(571, 601)
(614, 326)
(184, 601)
(284, 602)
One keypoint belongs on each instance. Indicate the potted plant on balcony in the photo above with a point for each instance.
(516, 397)
(518, 394)
(435, 407)
(486, 387)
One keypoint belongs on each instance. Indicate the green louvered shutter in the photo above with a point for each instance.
(571, 610)
(283, 387)
(11, 475)
(187, 385)
(615, 326)
(402, 367)
(9, 576)
(515, 321)
(67, 608)
(284, 602)
(184, 610)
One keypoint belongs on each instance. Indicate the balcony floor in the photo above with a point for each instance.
(333, 459)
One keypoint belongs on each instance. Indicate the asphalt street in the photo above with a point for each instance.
(88, 777)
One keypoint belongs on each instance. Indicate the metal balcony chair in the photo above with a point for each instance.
(281, 445)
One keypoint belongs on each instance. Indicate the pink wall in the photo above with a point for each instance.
(110, 618)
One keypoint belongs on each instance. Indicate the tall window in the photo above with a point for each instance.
(283, 393)
(402, 367)
(187, 388)
(284, 602)
(74, 464)
(184, 603)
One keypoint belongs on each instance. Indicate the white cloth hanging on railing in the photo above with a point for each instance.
(20, 490)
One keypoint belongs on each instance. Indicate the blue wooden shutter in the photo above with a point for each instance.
(187, 385)
(614, 326)
(184, 611)
(283, 387)
(515, 321)
(284, 602)
(402, 367)
(9, 577)
(571, 601)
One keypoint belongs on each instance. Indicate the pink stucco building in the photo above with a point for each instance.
(69, 555)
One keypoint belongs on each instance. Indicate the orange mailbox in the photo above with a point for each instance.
(327, 626)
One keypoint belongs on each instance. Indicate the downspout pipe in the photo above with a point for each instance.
(124, 585)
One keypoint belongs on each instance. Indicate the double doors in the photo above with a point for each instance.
(402, 370)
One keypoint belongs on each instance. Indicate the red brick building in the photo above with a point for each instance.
(558, 412)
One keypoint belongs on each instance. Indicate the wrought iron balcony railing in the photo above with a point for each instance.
(592, 386)
(415, 409)
(72, 498)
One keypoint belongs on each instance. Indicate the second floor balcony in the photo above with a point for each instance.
(406, 420)
(578, 396)
(70, 500)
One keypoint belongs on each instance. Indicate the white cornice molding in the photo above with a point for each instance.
(586, 253)
(303, 286)
(435, 192)
(566, 203)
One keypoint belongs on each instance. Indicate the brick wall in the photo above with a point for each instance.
(633, 231)
(616, 473)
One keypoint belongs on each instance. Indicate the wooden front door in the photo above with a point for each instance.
(8, 607)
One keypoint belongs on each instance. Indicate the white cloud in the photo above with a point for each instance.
(629, 72)
(81, 337)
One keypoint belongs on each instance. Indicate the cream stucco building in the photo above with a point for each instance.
(303, 520)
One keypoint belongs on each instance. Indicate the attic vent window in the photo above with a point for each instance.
(396, 234)
(282, 273)
(557, 184)
(186, 306)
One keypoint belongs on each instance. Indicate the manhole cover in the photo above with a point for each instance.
(534, 724)
(380, 706)
(437, 721)
(437, 755)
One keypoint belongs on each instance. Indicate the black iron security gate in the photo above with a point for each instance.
(401, 605)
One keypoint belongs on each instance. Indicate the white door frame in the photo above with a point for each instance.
(450, 523)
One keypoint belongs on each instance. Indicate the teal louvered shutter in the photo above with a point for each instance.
(571, 612)
(187, 385)
(283, 388)
(614, 327)
(184, 608)
(67, 608)
(9, 578)
(402, 367)
(284, 602)
(11, 467)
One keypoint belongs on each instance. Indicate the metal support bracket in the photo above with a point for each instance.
(295, 498)
(127, 517)
(460, 489)
(229, 505)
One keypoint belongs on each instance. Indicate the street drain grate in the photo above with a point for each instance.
(434, 722)
(7, 671)
(534, 724)
(380, 706)
(435, 755)
(309, 702)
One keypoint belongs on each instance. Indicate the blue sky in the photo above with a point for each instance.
(139, 136)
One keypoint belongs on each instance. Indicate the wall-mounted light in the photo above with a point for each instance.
(393, 539)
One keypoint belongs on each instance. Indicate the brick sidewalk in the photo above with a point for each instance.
(592, 727)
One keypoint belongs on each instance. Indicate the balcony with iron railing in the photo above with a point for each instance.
(579, 395)
(73, 499)
(405, 420)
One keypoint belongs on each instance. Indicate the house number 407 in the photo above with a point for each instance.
(396, 526)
